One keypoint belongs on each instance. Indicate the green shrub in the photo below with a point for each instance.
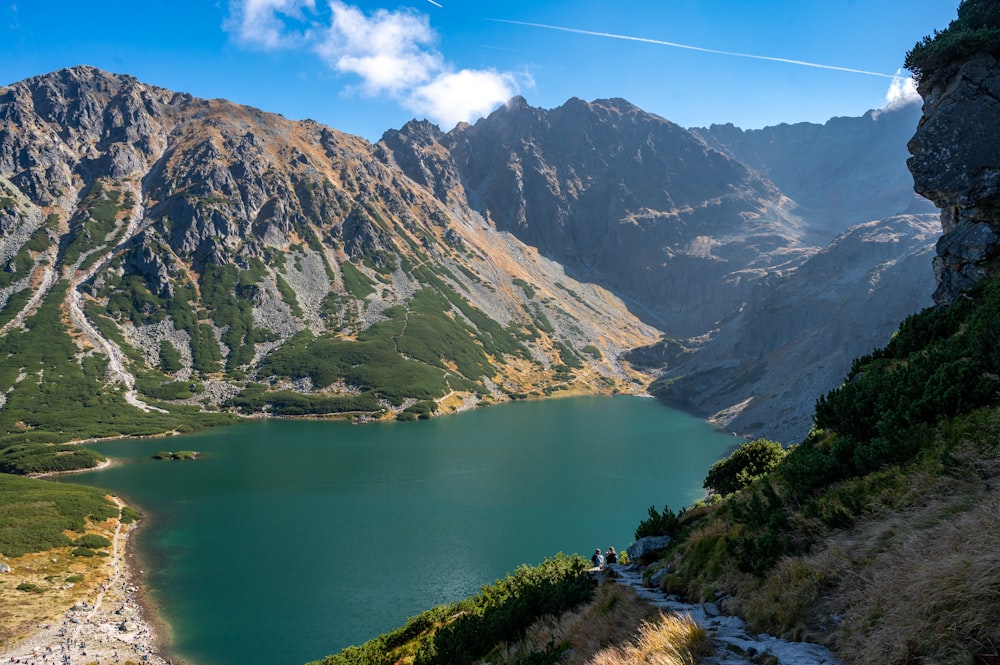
(170, 357)
(747, 463)
(29, 587)
(93, 541)
(74, 579)
(84, 552)
(657, 524)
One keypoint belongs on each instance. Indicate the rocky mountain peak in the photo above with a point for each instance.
(219, 245)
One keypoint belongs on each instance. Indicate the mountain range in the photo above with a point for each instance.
(167, 258)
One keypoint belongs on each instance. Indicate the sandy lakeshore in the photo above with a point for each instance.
(100, 620)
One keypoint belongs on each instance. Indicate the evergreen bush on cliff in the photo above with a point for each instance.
(976, 30)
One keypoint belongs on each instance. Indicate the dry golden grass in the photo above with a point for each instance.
(615, 628)
(669, 640)
(22, 611)
(919, 583)
(935, 594)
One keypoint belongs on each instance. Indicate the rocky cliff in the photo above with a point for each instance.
(847, 171)
(620, 197)
(961, 176)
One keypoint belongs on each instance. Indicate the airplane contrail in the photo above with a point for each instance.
(436, 4)
(660, 42)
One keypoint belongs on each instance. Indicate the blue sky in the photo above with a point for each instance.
(365, 67)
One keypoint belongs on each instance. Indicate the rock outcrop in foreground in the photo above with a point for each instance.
(961, 176)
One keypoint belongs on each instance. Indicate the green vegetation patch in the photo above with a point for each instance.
(29, 458)
(356, 282)
(92, 540)
(255, 398)
(19, 267)
(496, 340)
(372, 364)
(434, 337)
(61, 398)
(35, 513)
(228, 292)
(180, 455)
(92, 228)
(465, 631)
(529, 290)
(170, 357)
(288, 295)
(749, 462)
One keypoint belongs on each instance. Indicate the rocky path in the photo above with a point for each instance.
(734, 644)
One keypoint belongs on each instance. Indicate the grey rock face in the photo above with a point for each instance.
(960, 175)
(620, 197)
(762, 373)
(647, 547)
(844, 172)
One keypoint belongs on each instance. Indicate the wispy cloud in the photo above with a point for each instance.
(660, 42)
(270, 24)
(391, 53)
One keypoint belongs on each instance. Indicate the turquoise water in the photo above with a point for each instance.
(290, 540)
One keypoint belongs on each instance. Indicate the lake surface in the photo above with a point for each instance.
(290, 540)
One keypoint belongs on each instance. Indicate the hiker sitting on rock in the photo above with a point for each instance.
(598, 558)
(612, 556)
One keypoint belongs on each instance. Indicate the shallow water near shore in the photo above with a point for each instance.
(290, 540)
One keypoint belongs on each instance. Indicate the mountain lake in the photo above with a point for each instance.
(289, 540)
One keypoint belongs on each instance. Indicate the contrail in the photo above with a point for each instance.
(660, 42)
(436, 4)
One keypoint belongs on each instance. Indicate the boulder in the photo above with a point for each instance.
(647, 547)
(5, 567)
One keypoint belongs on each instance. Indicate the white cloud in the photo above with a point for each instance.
(393, 53)
(462, 96)
(390, 51)
(268, 24)
(902, 91)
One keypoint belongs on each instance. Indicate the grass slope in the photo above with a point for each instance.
(35, 514)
